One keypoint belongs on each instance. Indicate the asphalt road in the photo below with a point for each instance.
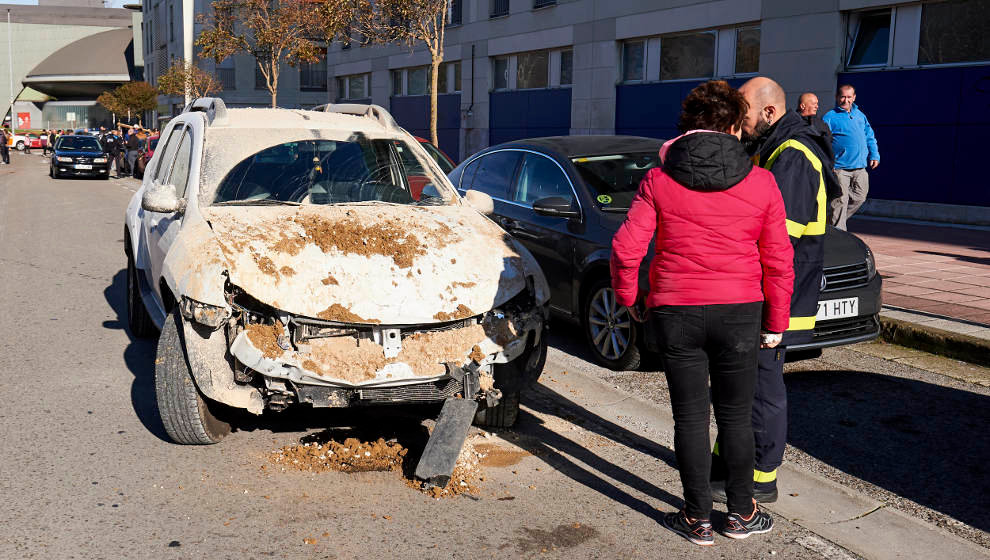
(87, 471)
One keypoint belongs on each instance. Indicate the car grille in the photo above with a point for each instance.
(845, 277)
(839, 329)
(422, 392)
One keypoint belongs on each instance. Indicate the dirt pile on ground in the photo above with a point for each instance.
(497, 456)
(265, 338)
(350, 455)
(341, 314)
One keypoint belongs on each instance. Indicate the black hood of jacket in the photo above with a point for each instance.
(707, 161)
(816, 138)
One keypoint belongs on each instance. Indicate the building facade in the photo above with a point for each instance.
(524, 68)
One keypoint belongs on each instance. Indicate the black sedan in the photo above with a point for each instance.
(564, 198)
(77, 155)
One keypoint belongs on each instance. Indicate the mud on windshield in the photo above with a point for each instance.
(330, 172)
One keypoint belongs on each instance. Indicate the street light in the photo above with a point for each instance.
(10, 74)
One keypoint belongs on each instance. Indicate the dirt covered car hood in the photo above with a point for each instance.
(372, 263)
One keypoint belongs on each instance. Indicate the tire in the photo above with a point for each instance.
(606, 324)
(20, 146)
(512, 382)
(138, 318)
(184, 411)
(502, 415)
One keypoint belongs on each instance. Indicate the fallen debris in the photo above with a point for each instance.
(265, 338)
(351, 455)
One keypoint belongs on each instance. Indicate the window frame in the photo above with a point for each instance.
(522, 165)
(448, 71)
(726, 43)
(852, 37)
(512, 69)
(346, 80)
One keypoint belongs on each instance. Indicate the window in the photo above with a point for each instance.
(418, 81)
(616, 176)
(494, 174)
(455, 14)
(747, 50)
(953, 32)
(540, 178)
(687, 56)
(397, 82)
(566, 68)
(259, 78)
(543, 3)
(532, 70)
(871, 38)
(357, 86)
(171, 23)
(313, 77)
(180, 169)
(501, 72)
(633, 61)
(171, 146)
(227, 73)
(499, 8)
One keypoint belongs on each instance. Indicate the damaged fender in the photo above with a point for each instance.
(206, 351)
(195, 267)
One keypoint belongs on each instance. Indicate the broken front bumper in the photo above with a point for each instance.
(331, 364)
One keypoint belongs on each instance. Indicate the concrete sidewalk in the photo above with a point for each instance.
(936, 285)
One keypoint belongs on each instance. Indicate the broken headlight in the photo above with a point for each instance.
(203, 313)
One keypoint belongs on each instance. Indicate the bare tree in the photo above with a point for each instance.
(184, 78)
(270, 30)
(410, 22)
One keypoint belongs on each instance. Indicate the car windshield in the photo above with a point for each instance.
(79, 144)
(614, 178)
(326, 172)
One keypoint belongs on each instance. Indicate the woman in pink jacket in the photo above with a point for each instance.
(722, 270)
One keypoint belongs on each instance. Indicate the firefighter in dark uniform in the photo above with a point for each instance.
(785, 144)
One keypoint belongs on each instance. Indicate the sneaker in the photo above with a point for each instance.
(699, 532)
(736, 527)
(763, 496)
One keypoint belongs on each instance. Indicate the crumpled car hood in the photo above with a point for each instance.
(370, 263)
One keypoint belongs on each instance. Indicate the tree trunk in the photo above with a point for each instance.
(435, 73)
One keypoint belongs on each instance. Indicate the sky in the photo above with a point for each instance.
(113, 3)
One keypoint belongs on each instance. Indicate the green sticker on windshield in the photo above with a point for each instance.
(604, 199)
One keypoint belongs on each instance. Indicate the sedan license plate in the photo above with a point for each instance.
(83, 166)
(838, 308)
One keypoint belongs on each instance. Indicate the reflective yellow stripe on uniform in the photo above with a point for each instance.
(760, 476)
(816, 227)
(715, 449)
(801, 324)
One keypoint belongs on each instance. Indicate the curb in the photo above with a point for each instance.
(911, 329)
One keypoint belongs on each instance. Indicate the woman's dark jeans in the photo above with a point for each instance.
(721, 342)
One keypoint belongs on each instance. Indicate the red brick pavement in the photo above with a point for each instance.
(936, 269)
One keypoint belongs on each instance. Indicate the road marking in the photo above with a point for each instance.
(826, 549)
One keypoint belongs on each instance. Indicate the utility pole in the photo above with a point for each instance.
(10, 75)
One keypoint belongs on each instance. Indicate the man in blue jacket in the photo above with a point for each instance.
(855, 148)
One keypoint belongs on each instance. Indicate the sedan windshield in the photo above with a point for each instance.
(79, 144)
(323, 172)
(614, 178)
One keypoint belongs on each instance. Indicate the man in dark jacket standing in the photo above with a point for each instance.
(133, 144)
(785, 144)
(4, 149)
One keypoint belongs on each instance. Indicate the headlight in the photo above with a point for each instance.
(209, 315)
(871, 264)
(65, 159)
(100, 160)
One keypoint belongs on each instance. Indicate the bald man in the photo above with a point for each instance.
(783, 143)
(808, 104)
(808, 109)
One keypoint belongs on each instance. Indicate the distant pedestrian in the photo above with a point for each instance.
(4, 148)
(855, 148)
(722, 270)
(132, 144)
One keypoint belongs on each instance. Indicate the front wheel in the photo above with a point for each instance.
(138, 318)
(184, 411)
(611, 332)
(20, 145)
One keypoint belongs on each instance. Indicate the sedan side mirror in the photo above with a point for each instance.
(557, 207)
(162, 198)
(482, 202)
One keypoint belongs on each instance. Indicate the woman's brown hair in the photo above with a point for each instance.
(714, 105)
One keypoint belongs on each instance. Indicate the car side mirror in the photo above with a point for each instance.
(163, 199)
(482, 202)
(557, 207)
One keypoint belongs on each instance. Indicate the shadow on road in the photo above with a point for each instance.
(921, 441)
(139, 357)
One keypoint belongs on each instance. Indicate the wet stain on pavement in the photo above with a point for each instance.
(561, 536)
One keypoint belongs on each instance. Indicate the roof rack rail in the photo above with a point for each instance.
(376, 112)
(214, 107)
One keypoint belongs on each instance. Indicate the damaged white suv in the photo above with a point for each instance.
(286, 261)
